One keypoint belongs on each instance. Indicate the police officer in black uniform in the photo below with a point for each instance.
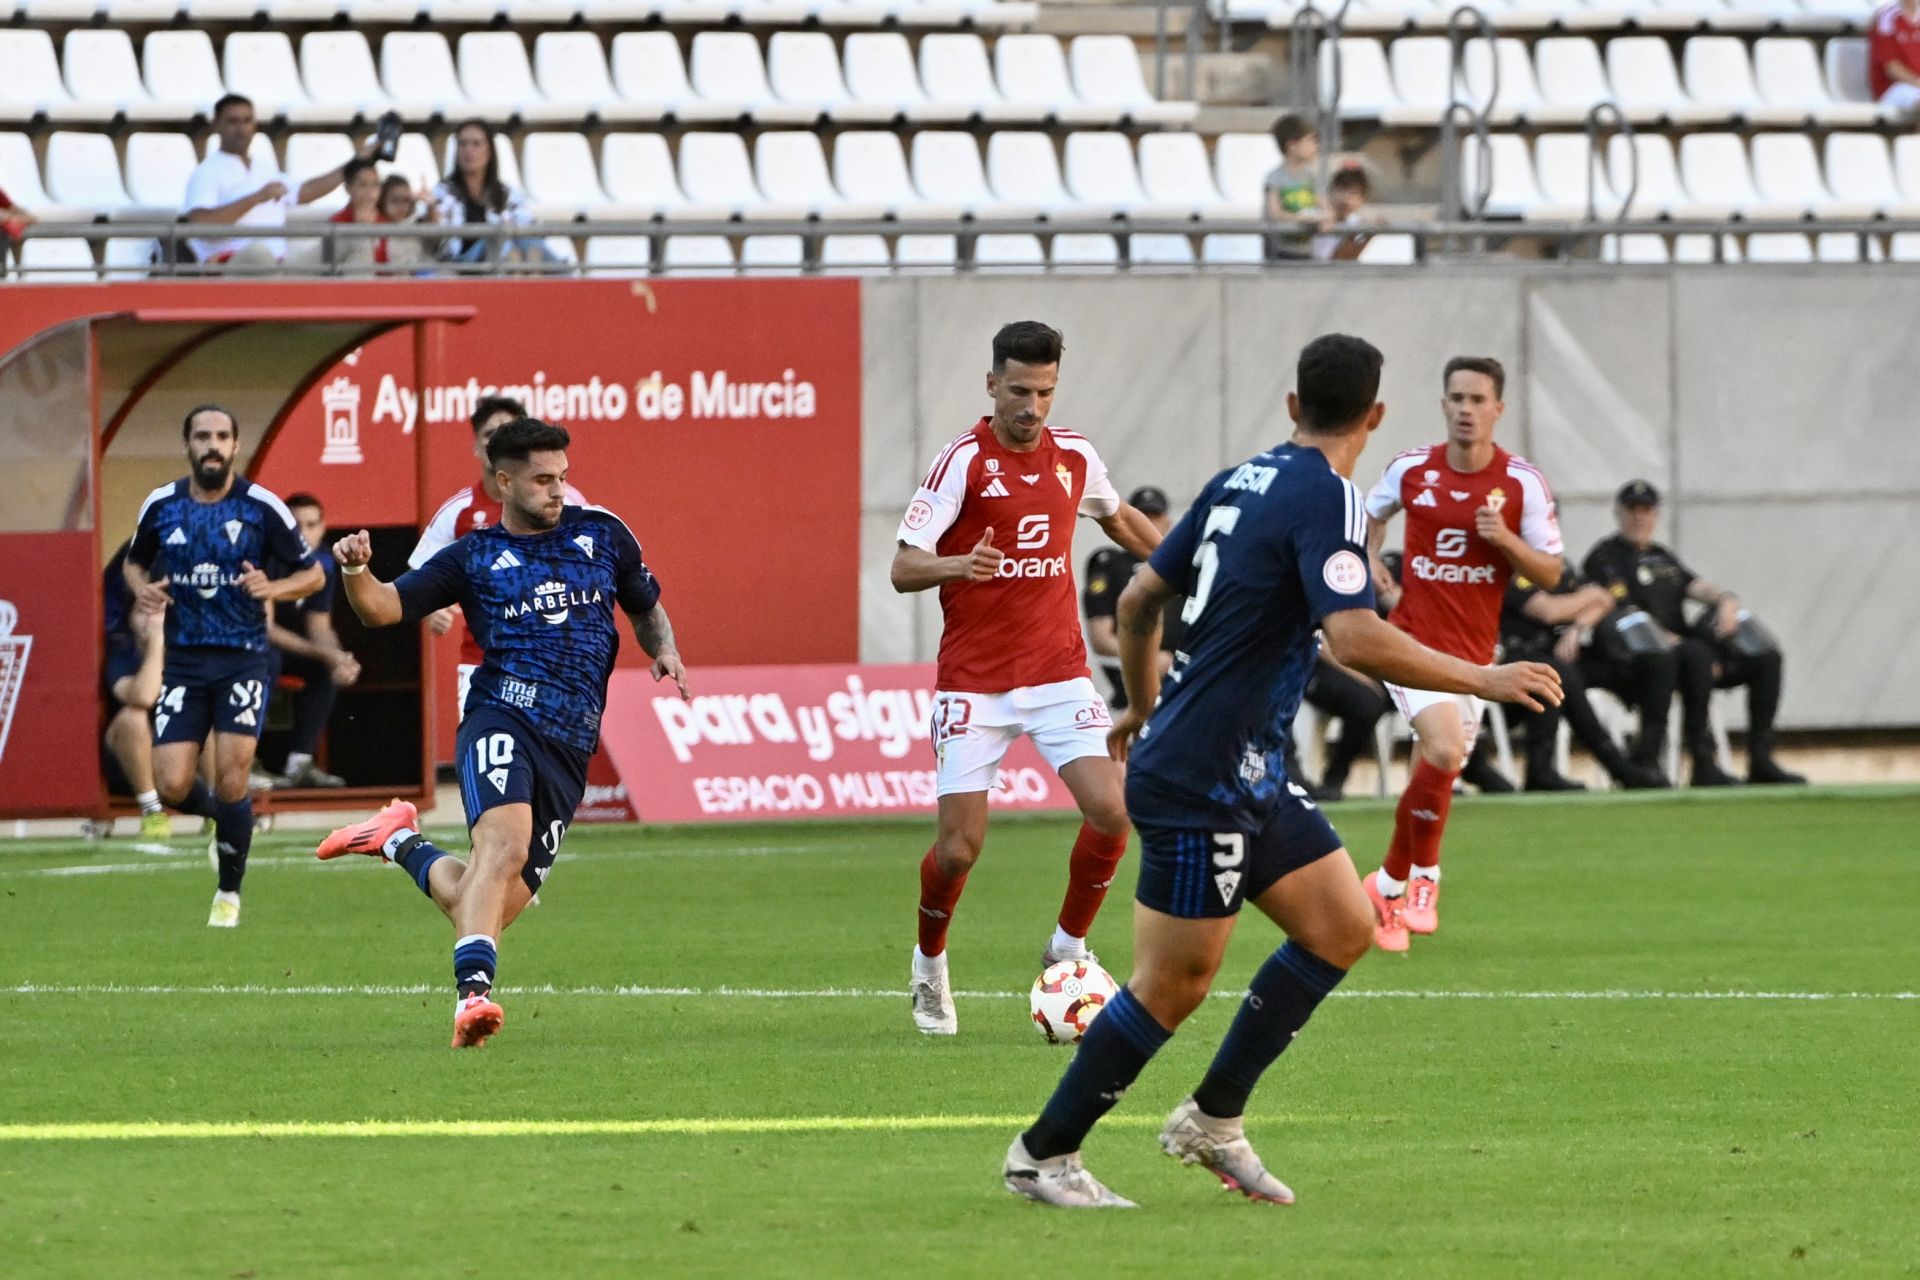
(1725, 648)
(1108, 572)
(1549, 626)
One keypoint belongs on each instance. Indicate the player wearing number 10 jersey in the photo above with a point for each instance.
(992, 527)
(1272, 549)
(539, 590)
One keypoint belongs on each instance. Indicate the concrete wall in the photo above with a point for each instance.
(1776, 409)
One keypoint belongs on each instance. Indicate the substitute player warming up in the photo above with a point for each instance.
(538, 591)
(1476, 515)
(992, 527)
(1272, 549)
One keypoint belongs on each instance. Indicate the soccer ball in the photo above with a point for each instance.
(1067, 997)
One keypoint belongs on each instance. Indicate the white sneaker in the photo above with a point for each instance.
(1058, 1180)
(932, 998)
(1219, 1147)
(226, 911)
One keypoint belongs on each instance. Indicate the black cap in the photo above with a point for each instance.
(1637, 493)
(1149, 500)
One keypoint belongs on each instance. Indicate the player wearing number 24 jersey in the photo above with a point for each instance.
(1272, 549)
(540, 591)
(992, 526)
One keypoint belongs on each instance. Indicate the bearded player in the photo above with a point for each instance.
(1476, 515)
(992, 527)
(541, 590)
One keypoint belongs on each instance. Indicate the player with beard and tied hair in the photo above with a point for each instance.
(1272, 550)
(202, 549)
(540, 590)
(992, 527)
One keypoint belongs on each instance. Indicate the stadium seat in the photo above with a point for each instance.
(1570, 183)
(1106, 73)
(1720, 75)
(792, 170)
(771, 255)
(1714, 168)
(1084, 251)
(1031, 71)
(1860, 173)
(870, 168)
(180, 67)
(338, 69)
(1174, 173)
(852, 13)
(1778, 246)
(939, 251)
(53, 11)
(1159, 249)
(1904, 246)
(1392, 249)
(1570, 75)
(1845, 247)
(99, 67)
(1023, 169)
(1701, 249)
(1657, 189)
(363, 13)
(571, 69)
(1100, 173)
(714, 171)
(494, 69)
(417, 66)
(698, 256)
(1906, 165)
(650, 76)
(1008, 251)
(122, 13)
(1845, 60)
(1241, 163)
(1789, 76)
(1364, 88)
(312, 154)
(802, 67)
(947, 171)
(84, 173)
(953, 68)
(203, 13)
(129, 257)
(1634, 249)
(20, 175)
(619, 255)
(55, 258)
(158, 165)
(1422, 68)
(636, 171)
(1519, 97)
(532, 13)
(1786, 168)
(727, 68)
(1233, 249)
(562, 181)
(260, 65)
(32, 86)
(854, 253)
(1647, 84)
(1512, 191)
(880, 72)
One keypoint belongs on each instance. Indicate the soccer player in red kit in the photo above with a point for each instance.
(1476, 515)
(992, 527)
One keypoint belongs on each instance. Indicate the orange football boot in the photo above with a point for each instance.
(1390, 926)
(370, 837)
(1422, 910)
(476, 1018)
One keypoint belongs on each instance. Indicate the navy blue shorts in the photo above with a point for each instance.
(505, 760)
(122, 661)
(202, 689)
(1197, 873)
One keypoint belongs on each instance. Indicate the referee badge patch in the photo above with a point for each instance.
(1344, 572)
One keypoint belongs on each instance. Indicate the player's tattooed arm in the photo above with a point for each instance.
(654, 630)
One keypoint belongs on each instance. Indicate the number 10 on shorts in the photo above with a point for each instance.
(491, 756)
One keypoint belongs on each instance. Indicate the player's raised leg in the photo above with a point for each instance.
(1329, 926)
(1406, 889)
(1098, 789)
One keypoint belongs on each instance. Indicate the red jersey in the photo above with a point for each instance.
(1022, 628)
(457, 517)
(1452, 580)
(1893, 37)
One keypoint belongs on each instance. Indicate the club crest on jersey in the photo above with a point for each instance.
(1497, 499)
(233, 528)
(585, 543)
(553, 601)
(1064, 476)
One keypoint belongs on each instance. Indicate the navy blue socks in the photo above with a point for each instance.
(416, 856)
(1112, 1054)
(1280, 999)
(474, 959)
(233, 837)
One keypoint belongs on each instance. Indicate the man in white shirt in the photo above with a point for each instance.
(231, 188)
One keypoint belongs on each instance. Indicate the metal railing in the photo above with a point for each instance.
(1600, 169)
(1189, 42)
(1314, 73)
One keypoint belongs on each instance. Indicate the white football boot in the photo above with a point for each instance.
(226, 911)
(1058, 1180)
(1221, 1148)
(932, 997)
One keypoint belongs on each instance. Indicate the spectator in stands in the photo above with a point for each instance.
(472, 193)
(363, 206)
(1108, 572)
(1724, 649)
(1348, 191)
(400, 203)
(13, 219)
(1893, 56)
(1292, 189)
(304, 644)
(229, 188)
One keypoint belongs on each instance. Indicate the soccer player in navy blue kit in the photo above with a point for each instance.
(539, 591)
(1271, 550)
(203, 547)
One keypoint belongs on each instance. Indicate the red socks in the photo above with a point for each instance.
(1420, 821)
(939, 893)
(1089, 872)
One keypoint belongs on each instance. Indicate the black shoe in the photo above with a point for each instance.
(1321, 794)
(1706, 773)
(1766, 771)
(1640, 777)
(312, 775)
(1550, 780)
(1489, 781)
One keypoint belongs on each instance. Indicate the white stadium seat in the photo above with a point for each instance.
(494, 69)
(802, 67)
(953, 68)
(1008, 251)
(1570, 183)
(1512, 188)
(698, 256)
(1174, 172)
(1085, 251)
(83, 172)
(940, 251)
(854, 253)
(99, 67)
(870, 168)
(1845, 59)
(649, 73)
(1906, 165)
(418, 66)
(1031, 71)
(771, 255)
(727, 67)
(312, 154)
(1860, 172)
(1159, 249)
(880, 73)
(1241, 163)
(1779, 246)
(56, 258)
(338, 69)
(714, 171)
(562, 181)
(1720, 75)
(619, 255)
(20, 175)
(1715, 170)
(1233, 249)
(1843, 247)
(1364, 85)
(1658, 191)
(1422, 80)
(1390, 250)
(1519, 92)
(1100, 172)
(1106, 73)
(1786, 168)
(636, 169)
(31, 85)
(947, 171)
(571, 70)
(130, 258)
(1647, 84)
(260, 65)
(1789, 76)
(1023, 169)
(792, 170)
(180, 67)
(158, 165)
(1570, 74)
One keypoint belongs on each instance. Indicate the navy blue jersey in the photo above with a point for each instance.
(293, 614)
(541, 607)
(1268, 549)
(197, 548)
(118, 596)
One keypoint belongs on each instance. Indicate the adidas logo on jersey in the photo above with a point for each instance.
(585, 543)
(506, 560)
(994, 489)
(1426, 499)
(178, 538)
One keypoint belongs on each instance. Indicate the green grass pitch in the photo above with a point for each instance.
(1606, 1063)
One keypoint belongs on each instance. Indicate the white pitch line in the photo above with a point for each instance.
(195, 859)
(868, 993)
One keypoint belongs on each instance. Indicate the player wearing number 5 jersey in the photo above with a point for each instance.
(992, 527)
(1271, 550)
(540, 591)
(1476, 514)
(203, 549)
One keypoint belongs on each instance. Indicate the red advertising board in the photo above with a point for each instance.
(49, 673)
(815, 741)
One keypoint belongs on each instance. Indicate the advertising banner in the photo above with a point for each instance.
(49, 674)
(814, 741)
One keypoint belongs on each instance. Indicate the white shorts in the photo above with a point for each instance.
(1413, 701)
(1067, 721)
